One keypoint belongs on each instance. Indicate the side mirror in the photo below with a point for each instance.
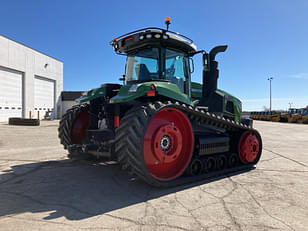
(191, 65)
(122, 78)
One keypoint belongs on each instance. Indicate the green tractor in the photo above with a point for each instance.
(158, 125)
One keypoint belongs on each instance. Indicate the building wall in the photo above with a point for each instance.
(31, 63)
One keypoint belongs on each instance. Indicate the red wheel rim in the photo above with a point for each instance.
(79, 127)
(249, 147)
(168, 144)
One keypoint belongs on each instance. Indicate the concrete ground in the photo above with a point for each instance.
(40, 189)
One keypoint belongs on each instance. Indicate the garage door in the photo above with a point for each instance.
(10, 94)
(44, 95)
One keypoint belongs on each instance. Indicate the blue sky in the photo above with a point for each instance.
(265, 38)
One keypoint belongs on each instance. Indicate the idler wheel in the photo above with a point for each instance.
(250, 147)
(168, 144)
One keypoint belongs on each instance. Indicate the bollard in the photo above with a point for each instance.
(30, 114)
(38, 115)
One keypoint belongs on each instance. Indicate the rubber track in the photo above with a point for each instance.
(122, 138)
(65, 126)
(129, 140)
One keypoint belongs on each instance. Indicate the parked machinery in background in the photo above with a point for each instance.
(303, 118)
(293, 115)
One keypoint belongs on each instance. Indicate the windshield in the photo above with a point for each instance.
(143, 65)
(292, 110)
(146, 65)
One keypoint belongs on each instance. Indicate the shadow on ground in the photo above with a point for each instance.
(75, 189)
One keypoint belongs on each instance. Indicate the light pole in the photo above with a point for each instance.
(270, 79)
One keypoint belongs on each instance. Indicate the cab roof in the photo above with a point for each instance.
(152, 36)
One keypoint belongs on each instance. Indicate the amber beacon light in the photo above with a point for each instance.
(167, 22)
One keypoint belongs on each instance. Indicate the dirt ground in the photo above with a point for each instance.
(40, 189)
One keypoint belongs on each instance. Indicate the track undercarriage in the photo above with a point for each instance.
(168, 144)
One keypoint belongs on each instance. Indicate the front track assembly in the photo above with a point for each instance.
(167, 126)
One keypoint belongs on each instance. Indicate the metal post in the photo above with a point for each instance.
(270, 79)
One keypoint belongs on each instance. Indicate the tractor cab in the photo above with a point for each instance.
(160, 55)
(292, 111)
(155, 54)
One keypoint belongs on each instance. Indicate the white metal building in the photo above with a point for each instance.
(30, 81)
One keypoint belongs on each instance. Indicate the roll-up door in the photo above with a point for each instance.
(44, 95)
(10, 94)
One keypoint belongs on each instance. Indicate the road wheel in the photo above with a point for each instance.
(209, 164)
(73, 127)
(155, 142)
(232, 160)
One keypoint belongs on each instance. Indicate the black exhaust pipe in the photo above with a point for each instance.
(210, 78)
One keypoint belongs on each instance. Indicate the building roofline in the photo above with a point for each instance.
(31, 48)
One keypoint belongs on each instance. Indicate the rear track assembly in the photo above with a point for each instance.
(224, 163)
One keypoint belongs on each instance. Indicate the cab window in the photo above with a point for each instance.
(174, 68)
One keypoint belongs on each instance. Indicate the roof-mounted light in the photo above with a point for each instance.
(141, 37)
(157, 36)
(148, 36)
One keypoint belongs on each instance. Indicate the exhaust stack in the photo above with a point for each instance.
(210, 78)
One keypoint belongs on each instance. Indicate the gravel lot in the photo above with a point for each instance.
(40, 189)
